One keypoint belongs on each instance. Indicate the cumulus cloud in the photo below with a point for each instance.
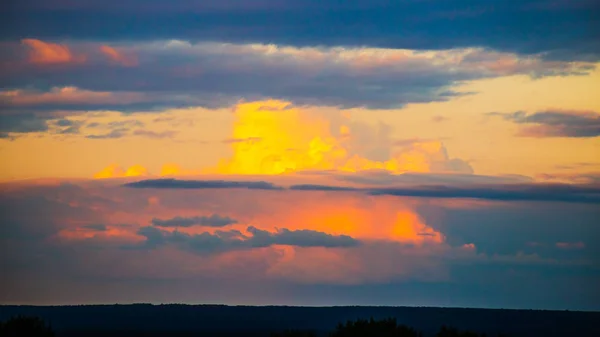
(556, 123)
(224, 241)
(213, 220)
(282, 138)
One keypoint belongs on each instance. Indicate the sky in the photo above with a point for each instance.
(358, 152)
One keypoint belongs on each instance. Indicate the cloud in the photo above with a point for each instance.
(211, 74)
(214, 220)
(201, 184)
(61, 97)
(41, 52)
(23, 123)
(96, 227)
(570, 245)
(127, 60)
(439, 119)
(478, 188)
(559, 29)
(114, 134)
(556, 123)
(516, 192)
(224, 241)
(576, 178)
(397, 242)
(116, 171)
(295, 139)
(70, 98)
(154, 134)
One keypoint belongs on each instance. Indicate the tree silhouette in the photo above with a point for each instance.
(383, 328)
(294, 333)
(25, 326)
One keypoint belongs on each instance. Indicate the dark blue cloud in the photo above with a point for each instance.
(564, 29)
(580, 193)
(201, 184)
(514, 192)
(22, 123)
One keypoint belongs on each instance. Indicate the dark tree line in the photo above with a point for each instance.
(21, 326)
(36, 327)
(379, 328)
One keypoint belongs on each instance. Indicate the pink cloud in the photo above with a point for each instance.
(119, 57)
(570, 245)
(41, 52)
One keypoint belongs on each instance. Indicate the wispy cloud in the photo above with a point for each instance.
(556, 123)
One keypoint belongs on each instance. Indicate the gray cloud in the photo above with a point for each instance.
(154, 134)
(23, 123)
(224, 241)
(576, 124)
(174, 73)
(418, 185)
(201, 184)
(96, 227)
(214, 220)
(116, 133)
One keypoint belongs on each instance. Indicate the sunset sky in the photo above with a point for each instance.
(301, 152)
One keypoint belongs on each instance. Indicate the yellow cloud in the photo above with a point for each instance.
(287, 139)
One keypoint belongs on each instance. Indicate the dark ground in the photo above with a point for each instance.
(216, 320)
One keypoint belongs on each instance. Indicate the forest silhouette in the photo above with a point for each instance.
(32, 326)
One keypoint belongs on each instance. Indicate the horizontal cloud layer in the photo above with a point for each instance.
(181, 73)
(496, 192)
(557, 123)
(563, 29)
(214, 220)
(232, 240)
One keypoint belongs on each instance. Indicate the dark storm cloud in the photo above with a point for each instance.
(214, 220)
(224, 241)
(576, 124)
(201, 184)
(563, 29)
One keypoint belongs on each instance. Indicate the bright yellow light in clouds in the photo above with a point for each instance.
(110, 171)
(115, 171)
(273, 137)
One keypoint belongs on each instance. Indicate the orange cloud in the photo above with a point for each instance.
(116, 171)
(119, 57)
(41, 52)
